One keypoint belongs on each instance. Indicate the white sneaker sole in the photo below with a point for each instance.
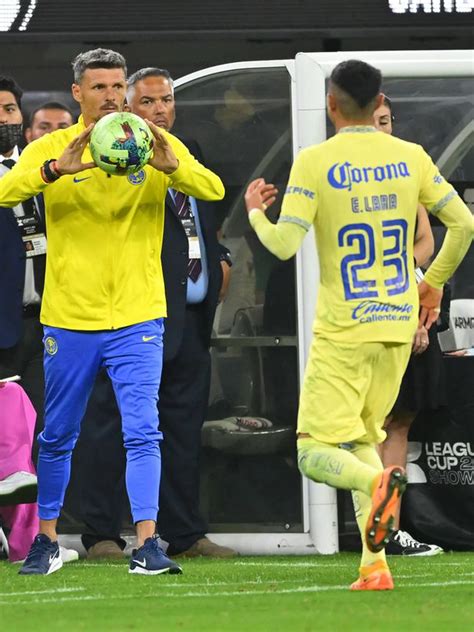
(139, 570)
(429, 553)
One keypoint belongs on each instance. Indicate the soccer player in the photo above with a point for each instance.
(104, 300)
(360, 191)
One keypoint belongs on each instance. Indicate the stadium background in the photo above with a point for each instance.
(185, 36)
(37, 46)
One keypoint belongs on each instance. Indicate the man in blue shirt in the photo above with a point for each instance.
(196, 271)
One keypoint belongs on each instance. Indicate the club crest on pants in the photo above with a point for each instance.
(50, 345)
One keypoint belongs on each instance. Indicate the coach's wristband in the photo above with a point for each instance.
(49, 172)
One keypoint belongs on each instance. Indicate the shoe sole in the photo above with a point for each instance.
(139, 570)
(24, 495)
(380, 524)
(423, 554)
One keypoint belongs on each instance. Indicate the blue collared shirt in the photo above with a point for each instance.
(197, 290)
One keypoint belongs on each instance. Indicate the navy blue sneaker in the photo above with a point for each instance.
(150, 559)
(44, 557)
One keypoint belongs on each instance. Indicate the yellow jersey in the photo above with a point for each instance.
(360, 190)
(104, 233)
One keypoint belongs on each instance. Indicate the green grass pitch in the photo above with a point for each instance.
(249, 593)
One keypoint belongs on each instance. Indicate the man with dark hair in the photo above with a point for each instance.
(355, 85)
(185, 381)
(21, 270)
(98, 309)
(47, 118)
(360, 191)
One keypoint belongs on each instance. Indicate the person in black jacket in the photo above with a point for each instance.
(22, 274)
(196, 272)
(22, 264)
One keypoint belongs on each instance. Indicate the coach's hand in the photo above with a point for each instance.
(70, 160)
(163, 158)
(430, 304)
(260, 195)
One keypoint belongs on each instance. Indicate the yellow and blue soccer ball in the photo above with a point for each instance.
(121, 143)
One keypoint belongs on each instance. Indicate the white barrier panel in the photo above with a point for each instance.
(460, 334)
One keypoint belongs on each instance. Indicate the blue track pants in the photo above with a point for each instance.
(133, 359)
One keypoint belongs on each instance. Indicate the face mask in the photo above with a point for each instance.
(10, 136)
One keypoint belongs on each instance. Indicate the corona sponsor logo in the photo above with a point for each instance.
(344, 175)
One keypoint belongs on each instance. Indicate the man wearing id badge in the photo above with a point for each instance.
(22, 262)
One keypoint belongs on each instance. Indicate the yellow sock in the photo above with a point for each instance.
(362, 506)
(326, 463)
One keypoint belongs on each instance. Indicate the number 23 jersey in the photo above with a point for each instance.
(360, 190)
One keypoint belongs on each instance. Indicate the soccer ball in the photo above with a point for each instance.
(121, 143)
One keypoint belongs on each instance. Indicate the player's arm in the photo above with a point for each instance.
(457, 218)
(424, 240)
(442, 200)
(186, 174)
(284, 238)
(31, 176)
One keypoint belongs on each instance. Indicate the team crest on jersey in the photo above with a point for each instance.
(137, 178)
(51, 345)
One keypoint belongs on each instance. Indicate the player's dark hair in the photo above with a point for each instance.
(359, 81)
(7, 84)
(50, 105)
(97, 58)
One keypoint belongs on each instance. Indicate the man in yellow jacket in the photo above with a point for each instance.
(104, 299)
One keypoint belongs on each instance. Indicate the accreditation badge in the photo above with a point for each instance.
(194, 249)
(34, 239)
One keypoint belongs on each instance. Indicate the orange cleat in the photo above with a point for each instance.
(379, 579)
(386, 495)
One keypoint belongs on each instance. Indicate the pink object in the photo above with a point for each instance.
(17, 427)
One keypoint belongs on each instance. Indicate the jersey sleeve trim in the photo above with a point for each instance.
(447, 198)
(291, 219)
